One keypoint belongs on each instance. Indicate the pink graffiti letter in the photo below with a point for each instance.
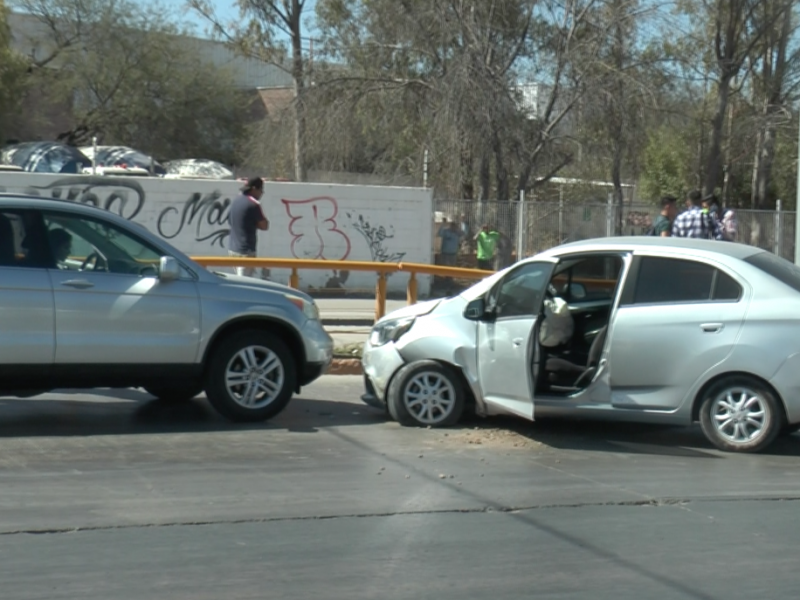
(314, 230)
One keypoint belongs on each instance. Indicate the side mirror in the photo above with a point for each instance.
(168, 269)
(475, 310)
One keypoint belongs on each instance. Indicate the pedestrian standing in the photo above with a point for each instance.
(662, 226)
(694, 222)
(729, 224)
(505, 250)
(486, 240)
(451, 239)
(246, 218)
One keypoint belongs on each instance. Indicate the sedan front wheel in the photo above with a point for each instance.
(426, 393)
(739, 414)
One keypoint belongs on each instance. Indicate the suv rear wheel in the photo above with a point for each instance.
(251, 376)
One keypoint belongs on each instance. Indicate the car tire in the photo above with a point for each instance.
(175, 395)
(251, 376)
(740, 414)
(426, 394)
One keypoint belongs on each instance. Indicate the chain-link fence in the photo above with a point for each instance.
(531, 227)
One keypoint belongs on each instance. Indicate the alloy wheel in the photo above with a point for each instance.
(740, 414)
(430, 397)
(254, 377)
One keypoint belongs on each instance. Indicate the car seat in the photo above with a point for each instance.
(562, 373)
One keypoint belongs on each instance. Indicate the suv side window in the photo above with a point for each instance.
(21, 243)
(669, 280)
(521, 292)
(79, 242)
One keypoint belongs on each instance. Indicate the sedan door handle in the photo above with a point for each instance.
(712, 327)
(517, 341)
(80, 284)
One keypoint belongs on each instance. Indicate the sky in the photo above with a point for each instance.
(227, 11)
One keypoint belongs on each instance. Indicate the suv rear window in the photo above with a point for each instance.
(780, 268)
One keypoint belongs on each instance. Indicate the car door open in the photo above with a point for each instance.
(504, 338)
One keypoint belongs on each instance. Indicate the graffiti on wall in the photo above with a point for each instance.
(314, 230)
(376, 237)
(208, 215)
(118, 195)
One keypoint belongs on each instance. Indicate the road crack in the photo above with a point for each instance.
(655, 503)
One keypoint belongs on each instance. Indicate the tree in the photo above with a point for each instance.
(131, 77)
(13, 72)
(261, 38)
(623, 93)
(486, 86)
(775, 81)
(667, 163)
(736, 31)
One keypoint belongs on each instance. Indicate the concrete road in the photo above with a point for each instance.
(115, 496)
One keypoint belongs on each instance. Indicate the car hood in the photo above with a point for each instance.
(258, 284)
(413, 310)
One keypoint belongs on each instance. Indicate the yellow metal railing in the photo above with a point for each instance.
(380, 269)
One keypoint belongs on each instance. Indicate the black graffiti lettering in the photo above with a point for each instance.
(375, 237)
(198, 211)
(85, 189)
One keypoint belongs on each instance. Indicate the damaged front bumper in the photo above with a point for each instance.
(380, 363)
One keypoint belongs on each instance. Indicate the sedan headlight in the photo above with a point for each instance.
(310, 309)
(390, 331)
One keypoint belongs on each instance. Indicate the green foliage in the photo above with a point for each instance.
(666, 168)
(13, 71)
(131, 77)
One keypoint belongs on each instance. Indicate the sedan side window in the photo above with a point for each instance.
(521, 292)
(81, 243)
(670, 280)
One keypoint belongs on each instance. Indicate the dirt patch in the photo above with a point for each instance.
(345, 366)
(494, 437)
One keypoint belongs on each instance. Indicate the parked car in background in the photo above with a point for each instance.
(89, 299)
(663, 330)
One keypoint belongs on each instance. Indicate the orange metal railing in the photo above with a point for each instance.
(379, 268)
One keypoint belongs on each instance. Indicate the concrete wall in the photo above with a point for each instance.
(318, 221)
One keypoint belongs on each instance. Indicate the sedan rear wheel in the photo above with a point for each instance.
(739, 414)
(251, 377)
(427, 394)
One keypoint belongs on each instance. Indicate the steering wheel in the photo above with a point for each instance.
(97, 260)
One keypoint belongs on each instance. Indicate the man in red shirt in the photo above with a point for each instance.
(246, 218)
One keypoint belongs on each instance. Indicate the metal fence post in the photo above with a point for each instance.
(561, 217)
(521, 226)
(778, 229)
(610, 215)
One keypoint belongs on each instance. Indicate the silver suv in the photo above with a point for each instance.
(89, 299)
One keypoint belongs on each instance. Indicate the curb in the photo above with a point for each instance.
(345, 366)
(348, 322)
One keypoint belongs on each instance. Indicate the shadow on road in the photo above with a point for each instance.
(134, 412)
(630, 438)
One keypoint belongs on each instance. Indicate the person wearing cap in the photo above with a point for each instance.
(246, 219)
